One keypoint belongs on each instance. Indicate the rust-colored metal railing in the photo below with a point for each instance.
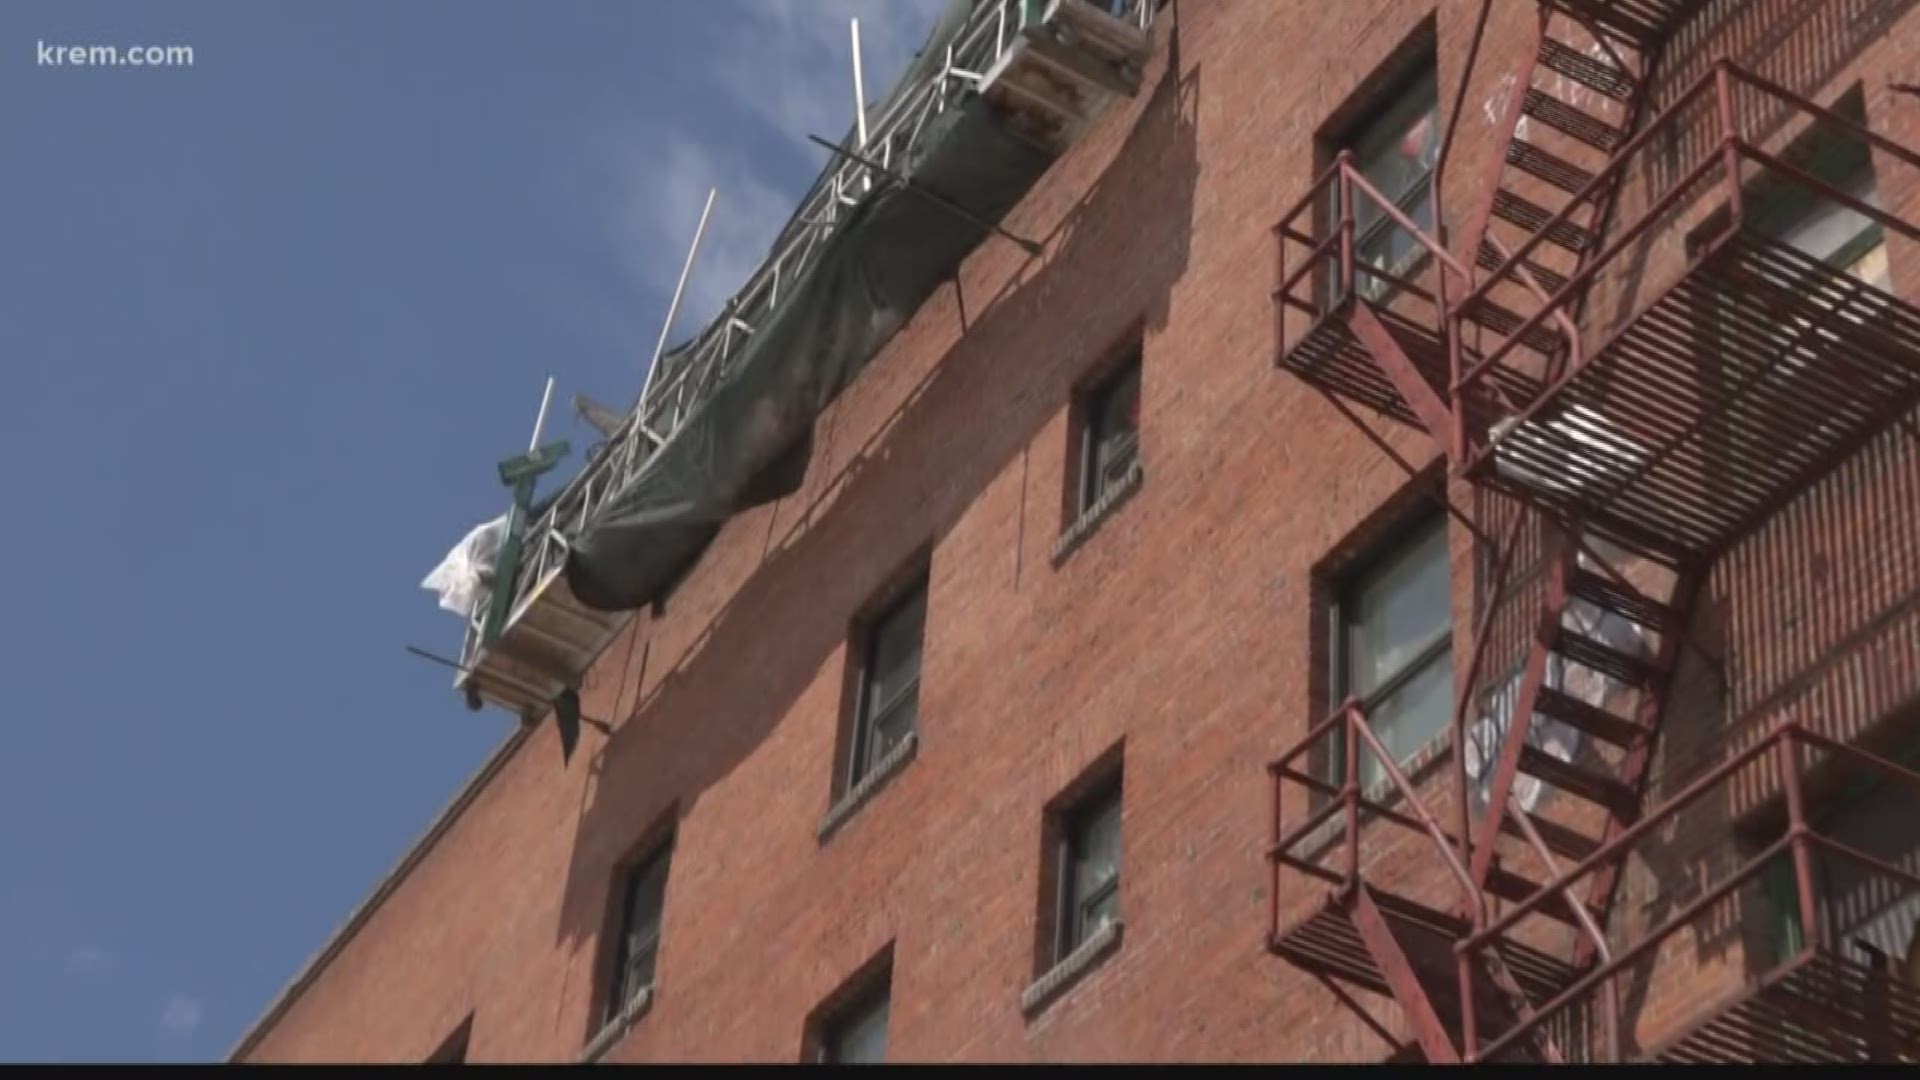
(1785, 751)
(1789, 744)
(1349, 722)
(1344, 184)
(1330, 272)
(1610, 990)
(1730, 124)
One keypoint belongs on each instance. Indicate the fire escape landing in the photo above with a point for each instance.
(1705, 399)
(1724, 393)
(1735, 387)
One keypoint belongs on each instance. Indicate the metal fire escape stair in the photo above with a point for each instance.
(1386, 944)
(1414, 947)
(1579, 95)
(1608, 784)
(1575, 103)
(1661, 442)
(1572, 106)
(1406, 950)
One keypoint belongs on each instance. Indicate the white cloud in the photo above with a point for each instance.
(642, 169)
(788, 62)
(794, 62)
(662, 194)
(182, 1014)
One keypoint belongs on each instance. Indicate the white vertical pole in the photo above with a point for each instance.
(859, 89)
(673, 306)
(540, 421)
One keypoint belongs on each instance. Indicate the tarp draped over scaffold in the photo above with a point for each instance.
(747, 443)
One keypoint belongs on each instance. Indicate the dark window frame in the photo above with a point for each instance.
(1071, 902)
(868, 714)
(1834, 809)
(1100, 453)
(1409, 83)
(870, 988)
(620, 995)
(1777, 206)
(1343, 627)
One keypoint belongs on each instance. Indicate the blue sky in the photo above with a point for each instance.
(266, 324)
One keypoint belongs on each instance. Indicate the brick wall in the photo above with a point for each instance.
(1182, 630)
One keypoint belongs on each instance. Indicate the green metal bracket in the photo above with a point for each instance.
(534, 463)
(520, 473)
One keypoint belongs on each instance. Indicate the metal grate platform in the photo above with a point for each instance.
(1331, 358)
(1646, 23)
(1819, 1009)
(1327, 943)
(1749, 379)
(539, 651)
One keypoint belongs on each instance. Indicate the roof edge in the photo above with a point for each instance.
(338, 940)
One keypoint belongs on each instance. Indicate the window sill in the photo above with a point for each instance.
(857, 796)
(1416, 768)
(618, 1027)
(1069, 971)
(1089, 521)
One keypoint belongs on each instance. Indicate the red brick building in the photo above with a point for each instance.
(1095, 694)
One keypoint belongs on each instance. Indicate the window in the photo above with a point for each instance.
(1864, 914)
(887, 704)
(1822, 229)
(641, 902)
(857, 1033)
(1110, 437)
(1089, 869)
(1393, 640)
(1078, 922)
(1395, 149)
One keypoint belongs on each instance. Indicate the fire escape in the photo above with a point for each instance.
(1628, 459)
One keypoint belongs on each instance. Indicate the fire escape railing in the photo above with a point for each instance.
(1342, 181)
(1784, 751)
(1350, 719)
(1731, 129)
(1330, 272)
(1789, 744)
(1345, 183)
(1350, 724)
(1456, 369)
